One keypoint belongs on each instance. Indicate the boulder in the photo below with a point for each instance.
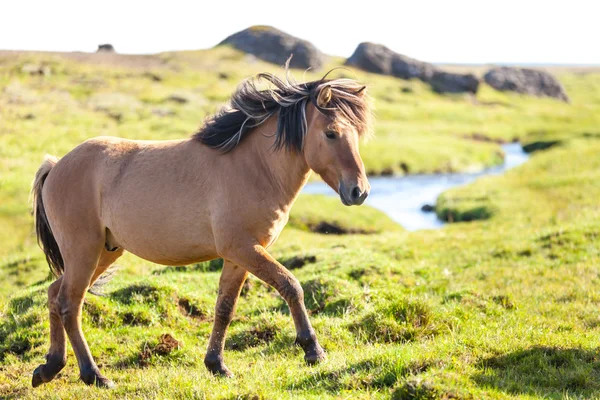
(105, 48)
(379, 59)
(527, 81)
(372, 58)
(446, 82)
(272, 45)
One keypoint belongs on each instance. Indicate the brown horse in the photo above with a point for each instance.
(224, 193)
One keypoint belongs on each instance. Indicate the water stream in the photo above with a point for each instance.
(401, 197)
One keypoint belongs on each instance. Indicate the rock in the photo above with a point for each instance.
(526, 81)
(105, 48)
(379, 59)
(446, 82)
(272, 45)
(427, 208)
(372, 58)
(408, 68)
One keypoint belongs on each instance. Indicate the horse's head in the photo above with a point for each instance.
(338, 116)
(322, 120)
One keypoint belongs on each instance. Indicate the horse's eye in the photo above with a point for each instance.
(331, 135)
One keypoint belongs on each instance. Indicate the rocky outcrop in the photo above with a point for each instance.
(105, 48)
(272, 45)
(527, 81)
(381, 60)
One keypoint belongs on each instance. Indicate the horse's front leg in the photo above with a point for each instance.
(261, 264)
(230, 285)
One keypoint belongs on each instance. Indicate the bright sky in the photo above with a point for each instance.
(456, 31)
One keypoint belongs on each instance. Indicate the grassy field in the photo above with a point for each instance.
(505, 306)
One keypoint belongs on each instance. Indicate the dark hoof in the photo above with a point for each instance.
(46, 372)
(96, 379)
(316, 356)
(223, 372)
(313, 352)
(217, 367)
(105, 383)
(36, 379)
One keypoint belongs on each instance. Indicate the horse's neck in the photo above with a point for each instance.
(285, 172)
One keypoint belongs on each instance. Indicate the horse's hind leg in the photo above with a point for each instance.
(57, 355)
(230, 285)
(56, 358)
(80, 268)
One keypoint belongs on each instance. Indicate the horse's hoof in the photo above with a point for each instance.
(315, 357)
(104, 383)
(223, 372)
(36, 379)
(217, 367)
(96, 379)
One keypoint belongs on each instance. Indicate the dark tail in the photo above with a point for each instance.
(45, 237)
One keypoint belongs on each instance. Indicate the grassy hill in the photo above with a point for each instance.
(502, 307)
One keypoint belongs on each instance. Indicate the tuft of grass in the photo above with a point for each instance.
(399, 320)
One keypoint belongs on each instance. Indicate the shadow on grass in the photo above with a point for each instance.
(546, 371)
(375, 373)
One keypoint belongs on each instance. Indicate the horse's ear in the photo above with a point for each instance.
(324, 96)
(361, 92)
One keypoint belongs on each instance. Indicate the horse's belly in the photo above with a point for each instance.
(165, 237)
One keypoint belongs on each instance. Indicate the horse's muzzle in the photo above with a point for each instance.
(353, 196)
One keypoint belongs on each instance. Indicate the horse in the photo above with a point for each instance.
(225, 192)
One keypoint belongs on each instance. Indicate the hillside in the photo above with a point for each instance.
(503, 307)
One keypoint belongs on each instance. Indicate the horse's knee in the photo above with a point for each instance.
(291, 291)
(67, 310)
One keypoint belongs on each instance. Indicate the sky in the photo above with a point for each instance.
(452, 31)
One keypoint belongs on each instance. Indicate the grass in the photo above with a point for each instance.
(504, 306)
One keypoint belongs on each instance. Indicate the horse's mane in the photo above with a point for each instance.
(250, 107)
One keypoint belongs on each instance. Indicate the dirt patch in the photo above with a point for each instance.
(332, 228)
(136, 318)
(189, 309)
(298, 261)
(257, 335)
(166, 344)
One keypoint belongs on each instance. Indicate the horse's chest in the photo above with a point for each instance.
(271, 226)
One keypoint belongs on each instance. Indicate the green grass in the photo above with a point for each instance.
(503, 307)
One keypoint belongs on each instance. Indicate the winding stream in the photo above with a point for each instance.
(402, 197)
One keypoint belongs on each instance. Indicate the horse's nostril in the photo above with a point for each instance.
(355, 193)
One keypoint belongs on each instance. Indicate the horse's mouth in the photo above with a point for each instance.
(343, 199)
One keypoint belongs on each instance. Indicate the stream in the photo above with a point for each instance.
(401, 197)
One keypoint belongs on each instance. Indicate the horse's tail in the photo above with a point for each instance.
(44, 234)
